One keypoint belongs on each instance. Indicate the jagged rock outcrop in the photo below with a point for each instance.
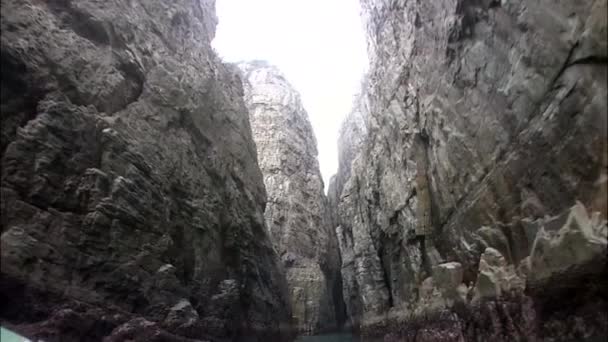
(132, 201)
(297, 214)
(479, 117)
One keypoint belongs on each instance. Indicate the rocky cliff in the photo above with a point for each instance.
(132, 201)
(478, 142)
(296, 214)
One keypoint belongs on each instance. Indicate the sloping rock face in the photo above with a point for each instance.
(297, 214)
(132, 201)
(479, 118)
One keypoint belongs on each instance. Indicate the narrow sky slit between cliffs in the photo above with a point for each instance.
(320, 47)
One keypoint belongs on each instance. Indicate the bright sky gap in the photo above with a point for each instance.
(318, 44)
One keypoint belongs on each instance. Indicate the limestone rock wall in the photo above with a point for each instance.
(132, 201)
(297, 213)
(478, 118)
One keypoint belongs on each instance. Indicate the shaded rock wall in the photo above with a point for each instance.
(478, 118)
(132, 201)
(297, 214)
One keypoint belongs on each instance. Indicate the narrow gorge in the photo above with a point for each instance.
(152, 192)
(297, 214)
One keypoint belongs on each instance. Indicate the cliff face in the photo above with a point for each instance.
(296, 214)
(132, 201)
(483, 123)
(351, 142)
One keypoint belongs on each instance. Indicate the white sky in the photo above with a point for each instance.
(318, 44)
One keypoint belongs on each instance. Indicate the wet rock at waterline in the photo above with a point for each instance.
(296, 212)
(132, 200)
(482, 123)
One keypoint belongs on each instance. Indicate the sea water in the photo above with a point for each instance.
(9, 336)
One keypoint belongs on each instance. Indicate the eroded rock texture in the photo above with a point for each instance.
(476, 119)
(132, 201)
(297, 214)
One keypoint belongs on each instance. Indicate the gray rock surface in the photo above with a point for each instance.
(296, 214)
(580, 242)
(479, 117)
(130, 186)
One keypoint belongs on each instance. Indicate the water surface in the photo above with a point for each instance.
(9, 336)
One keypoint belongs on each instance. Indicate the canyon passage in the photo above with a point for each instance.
(152, 192)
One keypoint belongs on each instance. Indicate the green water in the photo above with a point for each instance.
(9, 336)
(338, 337)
